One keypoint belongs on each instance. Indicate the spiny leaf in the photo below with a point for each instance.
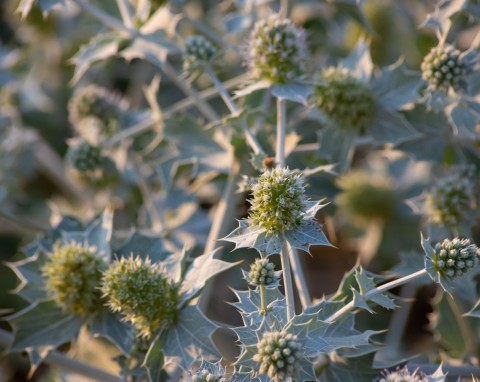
(308, 234)
(110, 326)
(293, 92)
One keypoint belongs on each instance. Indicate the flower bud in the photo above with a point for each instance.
(345, 100)
(278, 200)
(72, 276)
(198, 51)
(453, 258)
(84, 157)
(262, 272)
(142, 293)
(278, 354)
(277, 51)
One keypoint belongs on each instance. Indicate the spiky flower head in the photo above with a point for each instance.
(142, 293)
(209, 372)
(278, 200)
(278, 354)
(443, 68)
(198, 51)
(277, 50)
(450, 200)
(262, 272)
(84, 157)
(367, 196)
(453, 258)
(346, 101)
(73, 275)
(93, 101)
(402, 375)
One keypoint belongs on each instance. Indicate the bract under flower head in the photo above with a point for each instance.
(278, 200)
(345, 100)
(198, 51)
(73, 274)
(444, 68)
(402, 375)
(278, 354)
(277, 50)
(142, 293)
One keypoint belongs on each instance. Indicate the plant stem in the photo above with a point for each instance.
(287, 280)
(299, 277)
(125, 12)
(212, 35)
(382, 288)
(263, 299)
(281, 132)
(57, 359)
(257, 149)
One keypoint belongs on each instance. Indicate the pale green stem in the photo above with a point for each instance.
(257, 149)
(281, 132)
(287, 280)
(299, 277)
(125, 12)
(22, 222)
(263, 299)
(115, 24)
(371, 293)
(57, 359)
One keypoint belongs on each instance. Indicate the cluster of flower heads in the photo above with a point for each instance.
(262, 272)
(142, 293)
(403, 375)
(278, 200)
(278, 354)
(277, 50)
(346, 101)
(451, 199)
(444, 68)
(73, 274)
(453, 258)
(198, 51)
(84, 157)
(96, 112)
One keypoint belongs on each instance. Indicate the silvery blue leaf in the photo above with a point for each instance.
(253, 87)
(144, 246)
(110, 327)
(236, 22)
(440, 18)
(464, 120)
(391, 126)
(430, 268)
(293, 92)
(308, 234)
(359, 62)
(337, 146)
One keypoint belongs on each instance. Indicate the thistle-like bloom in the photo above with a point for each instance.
(73, 275)
(278, 355)
(450, 201)
(198, 51)
(453, 258)
(278, 200)
(347, 101)
(95, 102)
(277, 51)
(444, 68)
(262, 272)
(402, 375)
(84, 157)
(209, 372)
(143, 294)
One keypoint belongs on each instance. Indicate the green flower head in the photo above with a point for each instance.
(453, 258)
(443, 68)
(198, 51)
(277, 50)
(278, 355)
(278, 200)
(84, 157)
(142, 293)
(209, 372)
(262, 272)
(73, 275)
(345, 100)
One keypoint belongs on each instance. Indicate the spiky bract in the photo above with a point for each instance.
(278, 354)
(277, 50)
(443, 68)
(73, 275)
(278, 200)
(402, 375)
(142, 293)
(346, 101)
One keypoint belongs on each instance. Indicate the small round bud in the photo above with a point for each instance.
(198, 51)
(262, 272)
(142, 293)
(453, 258)
(367, 196)
(84, 157)
(278, 354)
(345, 100)
(278, 200)
(268, 163)
(443, 68)
(209, 372)
(277, 51)
(402, 375)
(72, 276)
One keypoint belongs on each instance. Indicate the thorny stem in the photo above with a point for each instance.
(234, 110)
(382, 288)
(287, 280)
(115, 24)
(263, 300)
